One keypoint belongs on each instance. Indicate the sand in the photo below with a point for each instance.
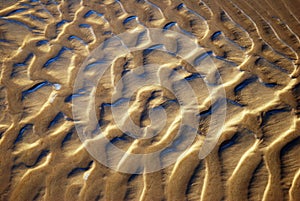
(255, 48)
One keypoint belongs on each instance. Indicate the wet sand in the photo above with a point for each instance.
(255, 47)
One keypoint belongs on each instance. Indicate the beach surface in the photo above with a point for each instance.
(254, 47)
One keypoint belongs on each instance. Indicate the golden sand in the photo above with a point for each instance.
(255, 46)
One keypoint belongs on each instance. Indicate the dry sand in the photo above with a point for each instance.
(255, 46)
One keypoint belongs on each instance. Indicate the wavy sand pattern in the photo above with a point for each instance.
(255, 46)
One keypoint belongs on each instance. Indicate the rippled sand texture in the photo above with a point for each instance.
(255, 45)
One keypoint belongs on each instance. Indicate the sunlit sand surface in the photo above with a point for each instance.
(255, 48)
